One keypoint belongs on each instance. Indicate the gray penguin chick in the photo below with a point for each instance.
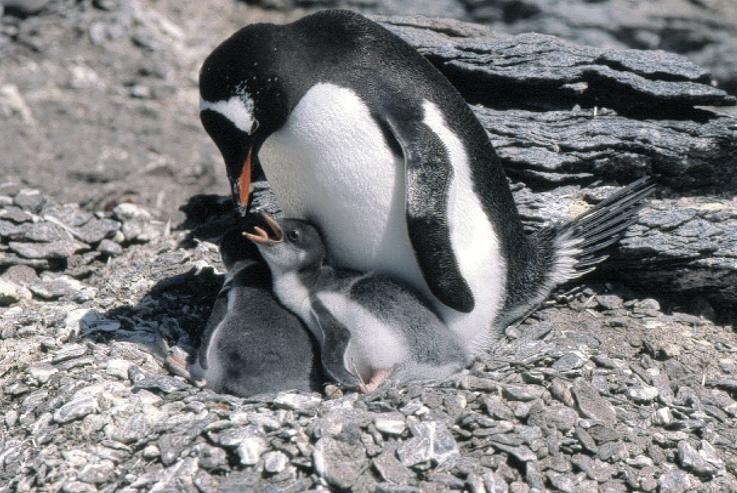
(370, 329)
(251, 344)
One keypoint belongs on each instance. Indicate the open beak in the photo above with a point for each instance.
(244, 181)
(269, 235)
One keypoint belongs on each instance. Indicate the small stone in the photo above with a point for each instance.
(15, 214)
(590, 403)
(96, 473)
(609, 301)
(76, 409)
(570, 361)
(338, 462)
(275, 462)
(109, 248)
(390, 468)
(68, 352)
(390, 424)
(118, 368)
(97, 230)
(10, 293)
(645, 393)
(41, 372)
(77, 487)
(54, 286)
(523, 392)
(297, 402)
(522, 453)
(151, 452)
(690, 460)
(250, 450)
(52, 250)
(674, 481)
(30, 200)
(662, 417)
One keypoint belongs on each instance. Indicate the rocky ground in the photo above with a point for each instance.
(609, 387)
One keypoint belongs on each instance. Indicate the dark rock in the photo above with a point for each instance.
(96, 230)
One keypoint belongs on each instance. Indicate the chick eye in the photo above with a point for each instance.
(293, 235)
(254, 126)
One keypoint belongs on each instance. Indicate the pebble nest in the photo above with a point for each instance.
(599, 391)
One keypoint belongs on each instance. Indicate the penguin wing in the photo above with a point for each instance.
(217, 315)
(428, 173)
(334, 345)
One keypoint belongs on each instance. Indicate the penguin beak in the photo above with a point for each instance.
(269, 235)
(244, 181)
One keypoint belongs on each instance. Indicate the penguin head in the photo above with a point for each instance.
(243, 99)
(234, 247)
(288, 245)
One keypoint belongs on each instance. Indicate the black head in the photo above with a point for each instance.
(251, 82)
(289, 244)
(242, 100)
(235, 247)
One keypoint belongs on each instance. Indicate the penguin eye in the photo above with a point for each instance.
(254, 126)
(293, 236)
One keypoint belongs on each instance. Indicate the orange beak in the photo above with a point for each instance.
(264, 236)
(244, 181)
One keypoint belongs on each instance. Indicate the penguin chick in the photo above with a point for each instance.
(369, 328)
(251, 344)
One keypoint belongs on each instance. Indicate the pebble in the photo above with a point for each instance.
(109, 248)
(645, 393)
(275, 462)
(692, 461)
(10, 293)
(76, 409)
(674, 481)
(53, 250)
(590, 403)
(392, 424)
(338, 462)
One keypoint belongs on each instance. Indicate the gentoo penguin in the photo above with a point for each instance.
(369, 328)
(251, 344)
(359, 134)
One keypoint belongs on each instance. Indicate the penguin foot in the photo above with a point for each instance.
(176, 362)
(378, 378)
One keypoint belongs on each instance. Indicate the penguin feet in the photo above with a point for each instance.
(176, 362)
(377, 379)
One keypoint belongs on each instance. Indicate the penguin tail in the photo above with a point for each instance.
(581, 244)
(562, 252)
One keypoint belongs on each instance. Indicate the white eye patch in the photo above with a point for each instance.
(238, 109)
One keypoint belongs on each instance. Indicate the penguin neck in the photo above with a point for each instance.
(248, 272)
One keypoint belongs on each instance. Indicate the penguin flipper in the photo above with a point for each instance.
(217, 315)
(334, 346)
(428, 172)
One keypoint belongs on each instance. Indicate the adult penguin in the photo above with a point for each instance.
(359, 134)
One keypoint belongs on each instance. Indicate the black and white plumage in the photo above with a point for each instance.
(369, 327)
(359, 134)
(251, 344)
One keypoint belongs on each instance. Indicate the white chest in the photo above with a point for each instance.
(330, 164)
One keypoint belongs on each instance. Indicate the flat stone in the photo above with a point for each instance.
(390, 468)
(591, 405)
(674, 481)
(211, 457)
(70, 215)
(645, 393)
(45, 232)
(10, 293)
(97, 230)
(41, 372)
(76, 409)
(54, 286)
(523, 392)
(390, 424)
(338, 462)
(275, 462)
(109, 248)
(30, 200)
(570, 361)
(15, 214)
(690, 460)
(52, 250)
(297, 402)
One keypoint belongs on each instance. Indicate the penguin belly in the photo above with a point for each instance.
(330, 164)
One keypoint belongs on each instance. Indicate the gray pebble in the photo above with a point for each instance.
(76, 409)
